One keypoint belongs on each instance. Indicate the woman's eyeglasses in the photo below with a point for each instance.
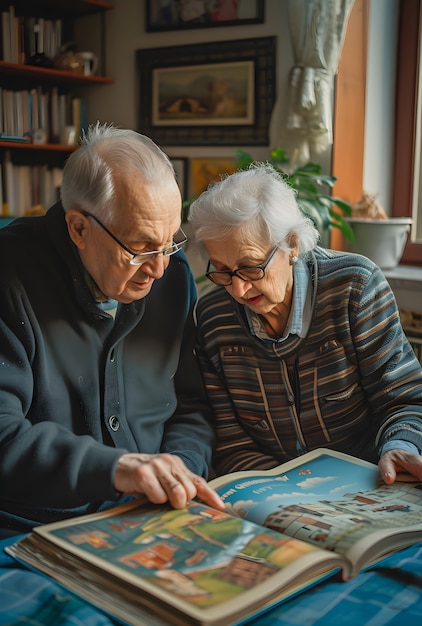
(248, 274)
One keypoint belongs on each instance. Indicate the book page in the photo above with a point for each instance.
(199, 562)
(327, 499)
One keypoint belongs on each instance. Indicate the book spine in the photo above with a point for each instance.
(13, 25)
(21, 40)
(18, 130)
(30, 43)
(10, 186)
(5, 30)
(54, 117)
(8, 112)
(76, 116)
(39, 35)
(1, 114)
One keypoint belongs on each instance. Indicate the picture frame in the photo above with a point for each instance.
(204, 170)
(219, 93)
(180, 165)
(185, 14)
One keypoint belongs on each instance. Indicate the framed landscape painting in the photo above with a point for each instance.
(183, 14)
(210, 93)
(218, 93)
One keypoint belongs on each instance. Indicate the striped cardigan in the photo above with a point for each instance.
(351, 384)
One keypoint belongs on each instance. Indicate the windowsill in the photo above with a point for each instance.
(406, 283)
(406, 273)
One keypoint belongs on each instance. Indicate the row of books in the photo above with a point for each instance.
(26, 111)
(25, 38)
(26, 189)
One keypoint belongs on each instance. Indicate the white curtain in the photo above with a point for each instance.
(317, 30)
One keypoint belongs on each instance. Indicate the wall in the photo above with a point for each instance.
(125, 29)
(125, 32)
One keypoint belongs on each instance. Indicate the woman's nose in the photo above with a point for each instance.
(239, 287)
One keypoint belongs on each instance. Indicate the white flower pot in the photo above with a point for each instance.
(382, 241)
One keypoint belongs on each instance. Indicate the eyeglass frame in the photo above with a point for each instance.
(232, 273)
(151, 254)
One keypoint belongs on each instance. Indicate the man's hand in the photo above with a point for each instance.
(398, 461)
(162, 478)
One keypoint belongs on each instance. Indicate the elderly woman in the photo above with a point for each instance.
(300, 347)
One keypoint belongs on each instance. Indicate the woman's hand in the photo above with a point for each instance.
(398, 461)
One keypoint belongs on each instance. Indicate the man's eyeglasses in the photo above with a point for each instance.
(248, 274)
(142, 257)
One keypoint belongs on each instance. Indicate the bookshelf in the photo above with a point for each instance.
(39, 100)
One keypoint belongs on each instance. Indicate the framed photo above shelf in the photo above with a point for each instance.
(184, 14)
(220, 93)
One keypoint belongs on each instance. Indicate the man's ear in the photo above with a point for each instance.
(77, 225)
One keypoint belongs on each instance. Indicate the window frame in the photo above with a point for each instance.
(406, 120)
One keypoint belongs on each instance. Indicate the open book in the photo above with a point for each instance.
(285, 529)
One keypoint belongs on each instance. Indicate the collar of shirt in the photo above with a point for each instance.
(300, 314)
(108, 306)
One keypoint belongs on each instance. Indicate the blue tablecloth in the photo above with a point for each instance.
(387, 595)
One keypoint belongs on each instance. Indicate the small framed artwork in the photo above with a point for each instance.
(185, 14)
(219, 93)
(180, 165)
(227, 98)
(206, 170)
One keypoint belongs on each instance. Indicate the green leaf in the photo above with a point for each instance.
(243, 159)
(321, 218)
(339, 222)
(310, 168)
(343, 205)
(278, 157)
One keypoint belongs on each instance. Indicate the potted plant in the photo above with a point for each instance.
(377, 236)
(310, 183)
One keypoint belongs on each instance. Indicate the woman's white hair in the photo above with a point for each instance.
(255, 203)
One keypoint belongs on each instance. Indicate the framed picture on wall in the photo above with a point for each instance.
(180, 165)
(207, 169)
(218, 93)
(183, 14)
(211, 93)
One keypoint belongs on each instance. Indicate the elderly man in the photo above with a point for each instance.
(100, 392)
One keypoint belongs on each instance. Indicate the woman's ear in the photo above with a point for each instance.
(78, 227)
(293, 243)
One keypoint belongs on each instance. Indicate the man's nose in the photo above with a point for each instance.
(155, 266)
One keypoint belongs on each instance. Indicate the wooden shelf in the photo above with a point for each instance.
(73, 8)
(24, 145)
(48, 94)
(45, 74)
